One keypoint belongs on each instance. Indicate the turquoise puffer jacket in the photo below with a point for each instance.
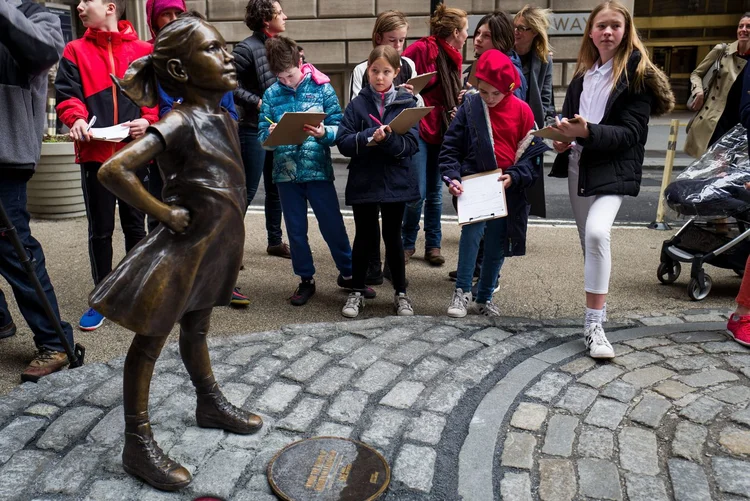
(311, 160)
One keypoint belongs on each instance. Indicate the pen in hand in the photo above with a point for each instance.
(91, 123)
(374, 118)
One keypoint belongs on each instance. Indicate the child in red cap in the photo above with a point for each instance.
(491, 132)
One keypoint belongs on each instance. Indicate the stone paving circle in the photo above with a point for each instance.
(473, 409)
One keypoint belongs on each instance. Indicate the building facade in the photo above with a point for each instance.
(336, 34)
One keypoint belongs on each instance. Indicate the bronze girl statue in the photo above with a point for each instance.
(189, 264)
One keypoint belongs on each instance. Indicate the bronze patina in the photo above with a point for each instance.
(189, 264)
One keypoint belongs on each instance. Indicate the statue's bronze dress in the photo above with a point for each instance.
(168, 274)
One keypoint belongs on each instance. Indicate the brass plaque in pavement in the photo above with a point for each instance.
(328, 469)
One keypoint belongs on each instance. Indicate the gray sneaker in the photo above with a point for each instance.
(459, 303)
(402, 304)
(354, 304)
(488, 309)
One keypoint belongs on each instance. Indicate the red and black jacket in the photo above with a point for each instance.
(84, 88)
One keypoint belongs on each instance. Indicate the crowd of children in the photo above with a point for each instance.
(391, 175)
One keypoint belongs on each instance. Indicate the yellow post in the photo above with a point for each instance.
(660, 223)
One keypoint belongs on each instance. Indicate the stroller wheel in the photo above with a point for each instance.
(698, 291)
(668, 272)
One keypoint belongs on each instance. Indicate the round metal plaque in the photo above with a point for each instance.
(328, 469)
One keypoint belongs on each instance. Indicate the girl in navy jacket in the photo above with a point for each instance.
(491, 132)
(380, 176)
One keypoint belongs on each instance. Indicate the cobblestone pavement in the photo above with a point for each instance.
(471, 408)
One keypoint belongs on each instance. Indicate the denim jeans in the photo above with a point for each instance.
(427, 170)
(325, 205)
(494, 232)
(13, 197)
(258, 161)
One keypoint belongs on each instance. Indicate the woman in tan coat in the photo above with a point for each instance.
(719, 111)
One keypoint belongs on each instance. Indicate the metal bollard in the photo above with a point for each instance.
(660, 223)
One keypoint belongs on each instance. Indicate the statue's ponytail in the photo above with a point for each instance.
(139, 82)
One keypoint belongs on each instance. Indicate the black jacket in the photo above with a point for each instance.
(468, 149)
(612, 155)
(380, 173)
(253, 77)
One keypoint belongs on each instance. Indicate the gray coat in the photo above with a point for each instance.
(30, 44)
(540, 96)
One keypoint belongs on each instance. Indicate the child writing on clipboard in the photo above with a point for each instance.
(490, 132)
(380, 176)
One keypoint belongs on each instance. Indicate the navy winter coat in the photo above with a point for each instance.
(380, 173)
(468, 148)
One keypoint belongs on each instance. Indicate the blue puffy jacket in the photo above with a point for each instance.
(381, 173)
(311, 160)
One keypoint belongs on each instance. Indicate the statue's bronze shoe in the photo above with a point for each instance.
(143, 458)
(215, 411)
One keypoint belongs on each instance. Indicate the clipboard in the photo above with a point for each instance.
(420, 81)
(483, 198)
(406, 120)
(291, 128)
(553, 133)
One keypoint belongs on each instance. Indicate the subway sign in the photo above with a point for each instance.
(561, 24)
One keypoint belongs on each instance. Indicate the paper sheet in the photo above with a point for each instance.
(113, 134)
(483, 198)
(291, 128)
(406, 120)
(419, 81)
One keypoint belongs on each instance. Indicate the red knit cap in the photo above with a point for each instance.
(498, 70)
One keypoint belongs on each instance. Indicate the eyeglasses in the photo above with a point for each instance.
(522, 29)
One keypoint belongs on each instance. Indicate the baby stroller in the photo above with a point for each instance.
(711, 191)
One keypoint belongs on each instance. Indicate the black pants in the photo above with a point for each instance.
(367, 236)
(100, 212)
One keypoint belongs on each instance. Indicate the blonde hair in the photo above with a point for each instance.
(390, 20)
(589, 54)
(537, 19)
(445, 20)
(385, 52)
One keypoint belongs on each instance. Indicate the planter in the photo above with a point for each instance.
(54, 192)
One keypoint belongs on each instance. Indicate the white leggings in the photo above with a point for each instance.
(594, 217)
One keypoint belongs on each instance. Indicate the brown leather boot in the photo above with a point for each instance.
(143, 458)
(408, 253)
(215, 411)
(434, 257)
(44, 363)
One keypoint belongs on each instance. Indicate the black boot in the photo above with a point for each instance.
(215, 411)
(143, 458)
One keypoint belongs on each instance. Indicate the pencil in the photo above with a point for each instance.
(270, 121)
(375, 119)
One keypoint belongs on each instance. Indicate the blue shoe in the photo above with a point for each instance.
(91, 320)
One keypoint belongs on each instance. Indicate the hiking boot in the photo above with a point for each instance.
(215, 411)
(354, 304)
(91, 320)
(44, 363)
(8, 331)
(348, 283)
(143, 458)
(281, 250)
(459, 303)
(408, 253)
(597, 343)
(304, 292)
(434, 257)
(239, 299)
(402, 304)
(374, 274)
(738, 328)
(488, 309)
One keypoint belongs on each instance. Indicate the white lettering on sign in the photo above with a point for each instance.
(561, 24)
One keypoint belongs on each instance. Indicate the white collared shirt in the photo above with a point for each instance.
(597, 87)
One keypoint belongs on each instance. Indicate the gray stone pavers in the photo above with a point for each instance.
(668, 417)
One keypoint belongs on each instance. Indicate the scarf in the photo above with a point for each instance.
(448, 62)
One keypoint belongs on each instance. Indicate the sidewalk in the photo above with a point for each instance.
(468, 407)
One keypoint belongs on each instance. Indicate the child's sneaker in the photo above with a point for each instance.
(402, 304)
(91, 320)
(304, 292)
(459, 303)
(488, 309)
(239, 299)
(597, 343)
(739, 328)
(354, 304)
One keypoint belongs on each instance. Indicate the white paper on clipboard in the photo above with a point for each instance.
(483, 198)
(113, 134)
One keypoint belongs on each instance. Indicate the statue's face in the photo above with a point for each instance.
(211, 66)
